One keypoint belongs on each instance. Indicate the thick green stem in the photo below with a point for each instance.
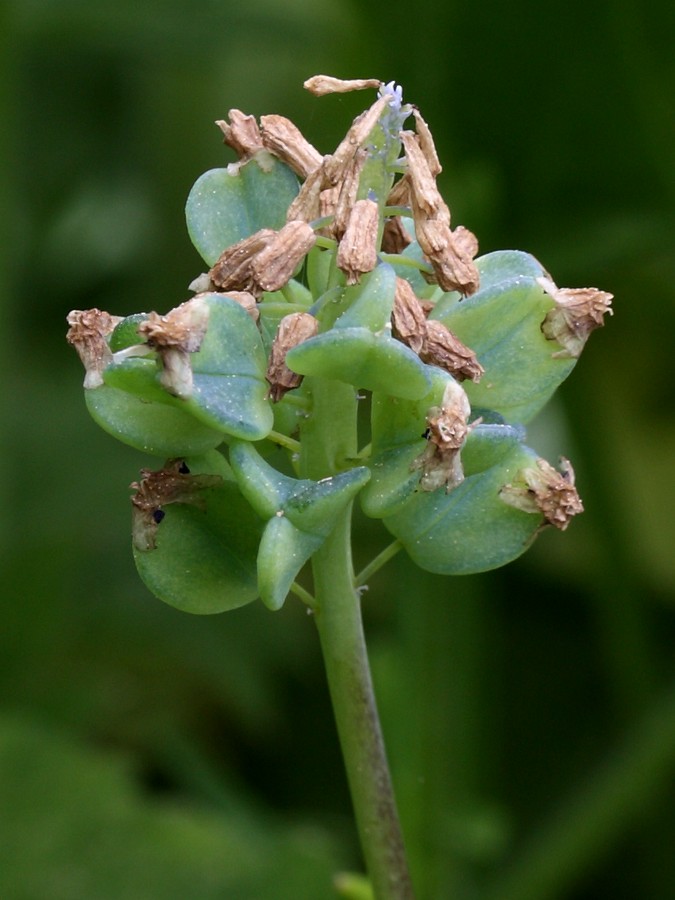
(330, 438)
(338, 618)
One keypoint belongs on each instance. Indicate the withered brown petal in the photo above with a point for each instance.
(275, 264)
(171, 484)
(320, 85)
(285, 141)
(408, 321)
(88, 331)
(425, 194)
(577, 313)
(542, 489)
(447, 429)
(357, 251)
(307, 204)
(455, 272)
(450, 253)
(441, 348)
(399, 195)
(232, 269)
(395, 236)
(328, 200)
(293, 330)
(183, 327)
(247, 301)
(175, 336)
(426, 143)
(335, 165)
(348, 190)
(241, 133)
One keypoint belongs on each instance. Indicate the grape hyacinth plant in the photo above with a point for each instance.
(332, 279)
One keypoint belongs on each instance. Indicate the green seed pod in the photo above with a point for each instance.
(226, 205)
(158, 428)
(359, 349)
(502, 323)
(283, 551)
(300, 515)
(206, 539)
(470, 528)
(230, 390)
(126, 332)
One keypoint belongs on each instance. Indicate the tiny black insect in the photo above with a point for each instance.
(158, 514)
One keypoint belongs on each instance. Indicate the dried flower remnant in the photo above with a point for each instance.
(202, 284)
(447, 429)
(246, 301)
(307, 204)
(88, 333)
(157, 489)
(284, 140)
(293, 330)
(347, 193)
(357, 251)
(320, 85)
(408, 321)
(422, 185)
(328, 201)
(544, 490)
(175, 336)
(241, 133)
(577, 312)
(430, 339)
(426, 143)
(395, 236)
(441, 348)
(399, 195)
(233, 268)
(275, 264)
(450, 253)
(335, 165)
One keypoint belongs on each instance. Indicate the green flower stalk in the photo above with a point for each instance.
(327, 277)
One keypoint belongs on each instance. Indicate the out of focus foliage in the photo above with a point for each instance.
(529, 713)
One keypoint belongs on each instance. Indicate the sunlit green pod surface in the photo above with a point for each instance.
(395, 477)
(125, 334)
(371, 301)
(157, 428)
(229, 389)
(468, 529)
(229, 386)
(311, 506)
(502, 323)
(300, 515)
(356, 356)
(204, 561)
(398, 427)
(226, 205)
(284, 550)
(358, 349)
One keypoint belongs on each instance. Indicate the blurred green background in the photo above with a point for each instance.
(529, 713)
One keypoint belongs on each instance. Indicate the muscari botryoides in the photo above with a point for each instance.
(334, 286)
